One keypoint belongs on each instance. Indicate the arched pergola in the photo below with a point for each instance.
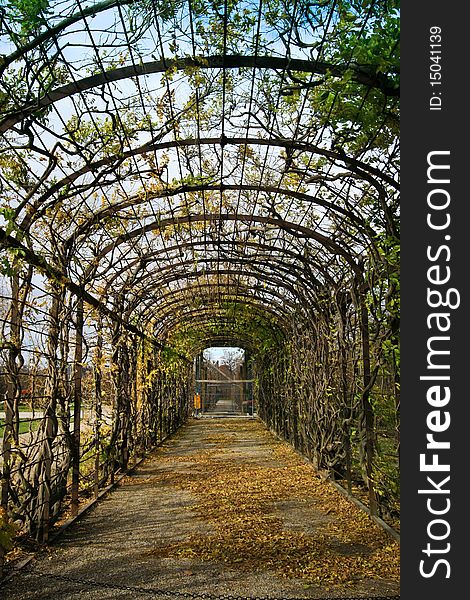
(176, 175)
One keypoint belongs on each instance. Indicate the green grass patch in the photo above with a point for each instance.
(25, 426)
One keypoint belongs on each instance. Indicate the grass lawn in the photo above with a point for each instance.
(25, 426)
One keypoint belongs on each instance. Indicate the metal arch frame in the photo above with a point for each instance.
(39, 262)
(216, 62)
(355, 166)
(153, 256)
(291, 227)
(157, 66)
(162, 303)
(276, 282)
(210, 62)
(84, 229)
(259, 276)
(280, 318)
(258, 302)
(140, 264)
(153, 282)
(208, 316)
(304, 232)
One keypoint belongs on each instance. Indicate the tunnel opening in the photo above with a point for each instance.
(223, 383)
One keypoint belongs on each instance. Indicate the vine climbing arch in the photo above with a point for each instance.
(186, 174)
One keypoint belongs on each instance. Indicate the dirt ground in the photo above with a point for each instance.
(222, 508)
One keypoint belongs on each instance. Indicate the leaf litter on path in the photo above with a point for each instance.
(245, 504)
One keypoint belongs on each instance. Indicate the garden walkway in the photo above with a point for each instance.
(222, 508)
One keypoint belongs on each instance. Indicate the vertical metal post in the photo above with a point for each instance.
(77, 404)
(98, 409)
(44, 496)
(366, 404)
(10, 434)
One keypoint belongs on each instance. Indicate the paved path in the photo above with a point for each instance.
(223, 508)
(24, 415)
